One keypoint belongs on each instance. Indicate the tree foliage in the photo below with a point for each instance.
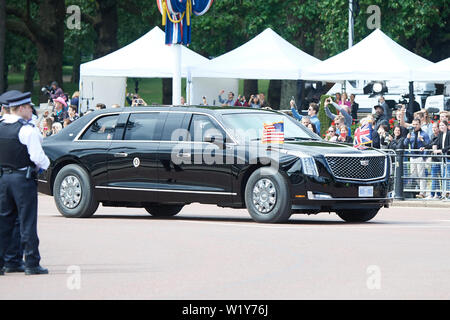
(419, 26)
(230, 23)
(319, 28)
(41, 22)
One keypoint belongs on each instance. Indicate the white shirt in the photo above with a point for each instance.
(428, 128)
(32, 138)
(444, 135)
(5, 116)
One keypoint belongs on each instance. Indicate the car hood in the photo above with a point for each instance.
(322, 148)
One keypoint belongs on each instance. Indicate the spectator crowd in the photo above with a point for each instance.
(424, 139)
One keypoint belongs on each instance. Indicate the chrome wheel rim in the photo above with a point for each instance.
(70, 192)
(264, 195)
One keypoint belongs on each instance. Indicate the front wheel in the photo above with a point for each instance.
(267, 197)
(362, 215)
(164, 210)
(73, 192)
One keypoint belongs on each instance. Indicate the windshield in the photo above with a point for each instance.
(250, 126)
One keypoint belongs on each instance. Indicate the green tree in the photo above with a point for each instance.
(136, 18)
(419, 26)
(2, 44)
(325, 122)
(102, 16)
(42, 22)
(230, 24)
(79, 42)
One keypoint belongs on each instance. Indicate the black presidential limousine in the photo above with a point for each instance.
(162, 158)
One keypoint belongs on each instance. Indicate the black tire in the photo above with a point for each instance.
(164, 210)
(268, 208)
(362, 215)
(84, 203)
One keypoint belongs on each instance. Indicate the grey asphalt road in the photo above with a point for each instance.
(207, 252)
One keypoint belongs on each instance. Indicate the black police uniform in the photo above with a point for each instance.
(18, 195)
(13, 258)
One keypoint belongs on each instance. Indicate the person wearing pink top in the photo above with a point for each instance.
(344, 101)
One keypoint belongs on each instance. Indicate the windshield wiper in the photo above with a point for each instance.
(298, 138)
(290, 138)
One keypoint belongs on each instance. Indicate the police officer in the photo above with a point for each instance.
(14, 253)
(21, 157)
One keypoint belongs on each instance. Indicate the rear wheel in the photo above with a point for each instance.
(267, 197)
(164, 210)
(73, 192)
(357, 215)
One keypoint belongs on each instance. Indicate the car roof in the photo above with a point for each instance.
(212, 110)
(206, 109)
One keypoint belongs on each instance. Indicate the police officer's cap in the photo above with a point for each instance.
(20, 99)
(7, 95)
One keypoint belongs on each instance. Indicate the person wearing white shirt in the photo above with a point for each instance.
(21, 157)
(443, 147)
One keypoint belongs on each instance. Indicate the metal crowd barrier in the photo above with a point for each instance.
(419, 172)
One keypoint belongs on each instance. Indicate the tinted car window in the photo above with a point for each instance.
(101, 129)
(143, 126)
(173, 128)
(249, 126)
(202, 126)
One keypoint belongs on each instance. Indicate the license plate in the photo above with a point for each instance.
(365, 192)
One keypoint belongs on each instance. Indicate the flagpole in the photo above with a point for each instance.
(350, 28)
(176, 17)
(350, 23)
(176, 78)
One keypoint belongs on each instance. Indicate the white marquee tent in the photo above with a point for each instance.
(438, 72)
(104, 79)
(266, 56)
(376, 57)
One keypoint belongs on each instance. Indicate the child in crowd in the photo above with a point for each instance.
(331, 134)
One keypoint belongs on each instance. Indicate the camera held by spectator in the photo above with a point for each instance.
(48, 90)
(137, 101)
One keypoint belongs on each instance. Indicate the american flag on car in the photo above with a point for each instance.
(273, 132)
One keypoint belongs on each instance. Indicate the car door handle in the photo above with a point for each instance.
(183, 155)
(120, 155)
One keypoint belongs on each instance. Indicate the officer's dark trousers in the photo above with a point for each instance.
(18, 198)
(14, 253)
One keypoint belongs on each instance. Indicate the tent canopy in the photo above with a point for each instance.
(147, 57)
(438, 72)
(376, 57)
(267, 56)
(104, 80)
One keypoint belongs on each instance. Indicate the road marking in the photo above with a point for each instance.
(296, 227)
(415, 207)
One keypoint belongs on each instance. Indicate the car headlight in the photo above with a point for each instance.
(309, 166)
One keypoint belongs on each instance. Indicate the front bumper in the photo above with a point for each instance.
(334, 204)
(329, 195)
